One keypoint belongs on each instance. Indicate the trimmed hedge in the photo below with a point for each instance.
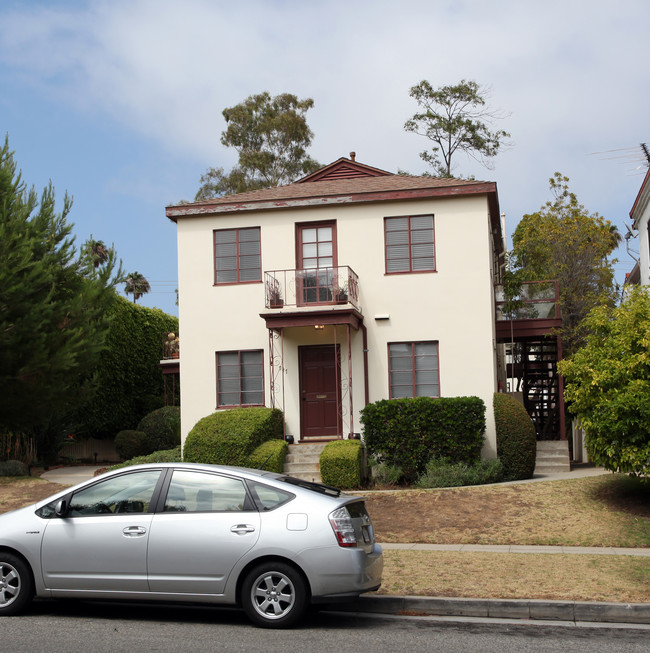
(229, 437)
(162, 428)
(516, 438)
(270, 456)
(131, 443)
(407, 433)
(169, 456)
(341, 464)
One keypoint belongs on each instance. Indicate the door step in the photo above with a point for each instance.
(552, 457)
(303, 461)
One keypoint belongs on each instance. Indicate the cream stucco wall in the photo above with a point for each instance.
(453, 306)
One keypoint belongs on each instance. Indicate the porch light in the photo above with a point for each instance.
(319, 326)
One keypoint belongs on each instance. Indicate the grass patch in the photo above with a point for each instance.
(620, 579)
(609, 510)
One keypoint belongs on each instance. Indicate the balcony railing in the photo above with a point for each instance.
(171, 347)
(311, 287)
(538, 300)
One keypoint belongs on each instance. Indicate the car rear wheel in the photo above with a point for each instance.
(274, 595)
(16, 586)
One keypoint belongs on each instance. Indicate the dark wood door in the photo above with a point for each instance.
(320, 397)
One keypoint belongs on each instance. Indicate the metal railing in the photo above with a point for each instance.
(537, 300)
(311, 287)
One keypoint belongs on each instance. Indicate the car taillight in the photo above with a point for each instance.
(343, 528)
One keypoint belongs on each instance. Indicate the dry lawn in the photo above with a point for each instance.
(603, 511)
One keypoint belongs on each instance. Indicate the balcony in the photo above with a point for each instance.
(311, 288)
(535, 312)
(171, 347)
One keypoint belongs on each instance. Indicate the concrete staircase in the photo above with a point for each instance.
(552, 457)
(303, 461)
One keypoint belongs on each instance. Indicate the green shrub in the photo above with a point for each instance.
(407, 433)
(13, 468)
(229, 437)
(130, 443)
(162, 428)
(516, 438)
(384, 474)
(168, 456)
(270, 455)
(443, 473)
(341, 463)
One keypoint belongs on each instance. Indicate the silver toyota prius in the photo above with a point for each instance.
(269, 543)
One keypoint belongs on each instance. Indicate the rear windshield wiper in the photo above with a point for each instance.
(310, 485)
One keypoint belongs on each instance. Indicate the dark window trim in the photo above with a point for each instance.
(214, 257)
(412, 343)
(410, 270)
(239, 352)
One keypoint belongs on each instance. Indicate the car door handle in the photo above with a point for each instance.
(242, 529)
(134, 531)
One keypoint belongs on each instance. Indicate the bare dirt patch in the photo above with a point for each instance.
(609, 510)
(16, 493)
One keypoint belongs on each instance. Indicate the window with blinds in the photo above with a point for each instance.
(237, 255)
(413, 369)
(240, 378)
(409, 244)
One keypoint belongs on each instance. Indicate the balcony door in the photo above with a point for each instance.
(320, 392)
(315, 262)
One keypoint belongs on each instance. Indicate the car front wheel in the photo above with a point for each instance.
(16, 587)
(274, 595)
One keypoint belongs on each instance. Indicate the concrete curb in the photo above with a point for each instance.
(532, 609)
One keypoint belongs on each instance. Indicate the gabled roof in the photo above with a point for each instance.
(343, 169)
(344, 182)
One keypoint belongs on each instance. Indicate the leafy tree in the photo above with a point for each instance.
(136, 285)
(564, 241)
(608, 384)
(456, 119)
(53, 306)
(271, 137)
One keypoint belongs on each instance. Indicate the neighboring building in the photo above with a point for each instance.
(349, 286)
(640, 215)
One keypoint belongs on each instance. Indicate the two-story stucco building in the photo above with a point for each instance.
(349, 286)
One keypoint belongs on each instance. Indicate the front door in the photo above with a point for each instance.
(320, 399)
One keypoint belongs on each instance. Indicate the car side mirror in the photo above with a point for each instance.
(61, 508)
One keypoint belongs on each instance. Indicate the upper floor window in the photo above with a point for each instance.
(237, 255)
(240, 378)
(410, 244)
(413, 369)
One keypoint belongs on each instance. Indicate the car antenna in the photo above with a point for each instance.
(266, 461)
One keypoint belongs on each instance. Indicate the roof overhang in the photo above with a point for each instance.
(642, 201)
(347, 316)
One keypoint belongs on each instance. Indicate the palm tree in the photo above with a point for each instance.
(97, 251)
(137, 285)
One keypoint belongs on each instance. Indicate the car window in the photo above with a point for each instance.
(202, 492)
(268, 498)
(127, 493)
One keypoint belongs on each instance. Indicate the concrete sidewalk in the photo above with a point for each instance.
(71, 475)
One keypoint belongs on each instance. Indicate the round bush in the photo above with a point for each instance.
(516, 438)
(270, 456)
(162, 428)
(229, 437)
(130, 444)
(341, 464)
(13, 468)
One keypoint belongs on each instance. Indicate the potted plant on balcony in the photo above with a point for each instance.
(275, 296)
(172, 346)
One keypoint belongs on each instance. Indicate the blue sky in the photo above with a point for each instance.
(119, 102)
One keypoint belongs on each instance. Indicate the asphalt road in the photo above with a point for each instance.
(76, 627)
